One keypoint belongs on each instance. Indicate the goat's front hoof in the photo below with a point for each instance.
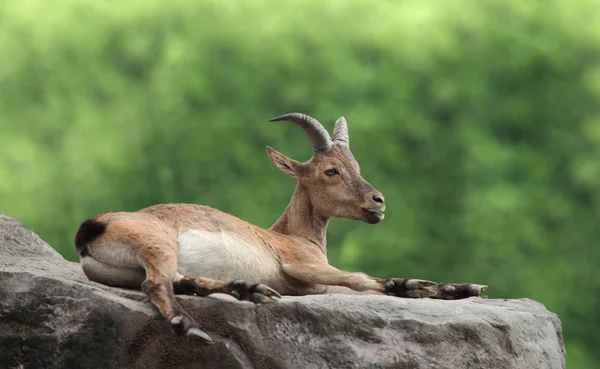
(451, 291)
(257, 293)
(418, 288)
(412, 288)
(185, 326)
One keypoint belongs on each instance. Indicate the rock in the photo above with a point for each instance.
(51, 316)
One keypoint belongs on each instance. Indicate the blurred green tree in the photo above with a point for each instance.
(479, 121)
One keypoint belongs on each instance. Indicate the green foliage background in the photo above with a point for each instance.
(478, 120)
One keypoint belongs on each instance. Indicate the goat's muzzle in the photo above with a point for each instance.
(373, 213)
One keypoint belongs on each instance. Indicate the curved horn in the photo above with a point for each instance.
(340, 132)
(319, 137)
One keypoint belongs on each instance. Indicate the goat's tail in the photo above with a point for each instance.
(87, 232)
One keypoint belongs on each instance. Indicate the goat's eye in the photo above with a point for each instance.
(331, 172)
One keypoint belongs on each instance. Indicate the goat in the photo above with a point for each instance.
(198, 250)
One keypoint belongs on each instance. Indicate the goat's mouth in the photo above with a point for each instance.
(374, 215)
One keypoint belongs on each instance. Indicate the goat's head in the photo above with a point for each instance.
(331, 177)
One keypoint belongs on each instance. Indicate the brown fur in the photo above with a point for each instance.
(199, 286)
(296, 242)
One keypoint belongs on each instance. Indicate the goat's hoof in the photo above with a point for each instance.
(412, 288)
(451, 291)
(418, 288)
(265, 293)
(257, 293)
(184, 326)
(198, 334)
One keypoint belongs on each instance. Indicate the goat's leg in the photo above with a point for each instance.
(402, 287)
(159, 288)
(257, 293)
(417, 288)
(132, 241)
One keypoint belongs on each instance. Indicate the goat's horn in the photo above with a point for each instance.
(340, 132)
(319, 137)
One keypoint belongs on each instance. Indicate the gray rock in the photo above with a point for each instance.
(51, 316)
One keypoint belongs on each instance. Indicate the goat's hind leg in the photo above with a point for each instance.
(159, 288)
(257, 293)
(134, 249)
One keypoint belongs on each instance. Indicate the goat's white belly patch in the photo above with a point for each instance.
(218, 255)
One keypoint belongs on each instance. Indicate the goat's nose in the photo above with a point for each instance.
(378, 198)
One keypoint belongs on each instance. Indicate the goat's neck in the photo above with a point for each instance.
(300, 219)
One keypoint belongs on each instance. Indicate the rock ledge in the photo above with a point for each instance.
(51, 316)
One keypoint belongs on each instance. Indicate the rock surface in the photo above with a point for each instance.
(51, 316)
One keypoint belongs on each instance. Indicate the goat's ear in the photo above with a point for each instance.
(286, 165)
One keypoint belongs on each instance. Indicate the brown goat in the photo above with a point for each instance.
(195, 249)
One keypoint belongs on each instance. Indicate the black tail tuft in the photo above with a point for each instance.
(87, 231)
